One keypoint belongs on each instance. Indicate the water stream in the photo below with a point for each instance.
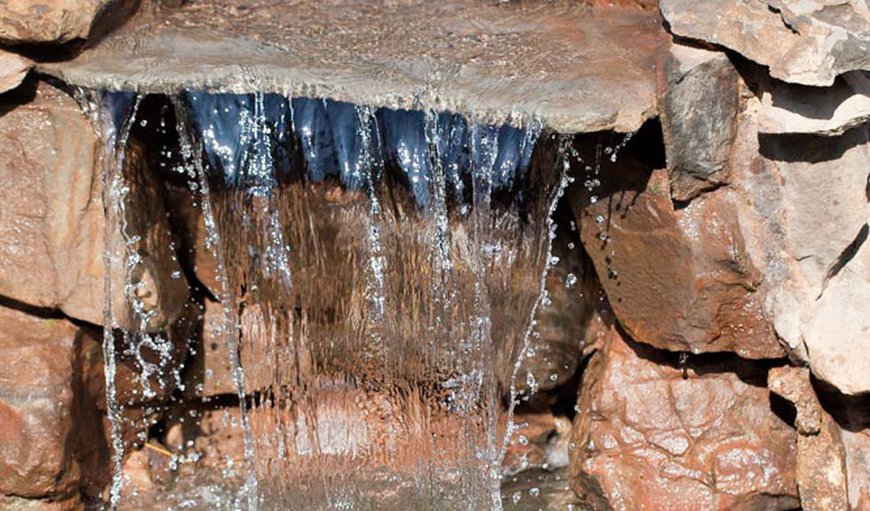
(379, 273)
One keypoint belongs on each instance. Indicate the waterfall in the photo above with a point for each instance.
(379, 273)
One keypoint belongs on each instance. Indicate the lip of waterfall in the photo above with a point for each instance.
(580, 68)
(246, 138)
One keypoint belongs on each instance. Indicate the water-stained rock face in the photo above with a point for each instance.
(677, 279)
(653, 435)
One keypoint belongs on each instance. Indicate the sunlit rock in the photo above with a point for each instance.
(677, 279)
(655, 433)
(13, 69)
(821, 464)
(38, 436)
(52, 21)
(809, 42)
(51, 218)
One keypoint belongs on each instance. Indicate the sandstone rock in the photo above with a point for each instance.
(698, 106)
(801, 204)
(37, 451)
(676, 279)
(13, 69)
(48, 21)
(821, 469)
(809, 42)
(52, 222)
(652, 435)
(837, 332)
(827, 111)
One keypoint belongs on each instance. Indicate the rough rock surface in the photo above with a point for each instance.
(37, 447)
(48, 21)
(676, 279)
(650, 435)
(13, 69)
(52, 221)
(808, 42)
(574, 66)
(699, 104)
(830, 111)
(802, 208)
(821, 466)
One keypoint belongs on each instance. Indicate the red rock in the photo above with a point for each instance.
(37, 451)
(677, 279)
(52, 221)
(647, 438)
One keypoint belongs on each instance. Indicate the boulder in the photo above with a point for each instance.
(677, 279)
(37, 448)
(52, 221)
(652, 433)
(49, 21)
(699, 104)
(809, 42)
(13, 69)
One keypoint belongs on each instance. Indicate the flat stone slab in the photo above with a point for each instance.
(576, 67)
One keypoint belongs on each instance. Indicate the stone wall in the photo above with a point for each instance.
(715, 354)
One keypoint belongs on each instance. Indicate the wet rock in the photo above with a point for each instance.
(494, 62)
(807, 43)
(37, 448)
(677, 279)
(821, 466)
(52, 222)
(540, 440)
(699, 105)
(13, 69)
(49, 21)
(829, 111)
(653, 435)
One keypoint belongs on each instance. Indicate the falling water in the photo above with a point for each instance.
(213, 243)
(384, 269)
(117, 112)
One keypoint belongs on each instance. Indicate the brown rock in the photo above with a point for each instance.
(36, 400)
(52, 222)
(699, 105)
(807, 43)
(13, 69)
(676, 279)
(49, 21)
(652, 435)
(821, 468)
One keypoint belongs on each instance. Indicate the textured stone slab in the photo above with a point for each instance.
(577, 67)
(807, 42)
